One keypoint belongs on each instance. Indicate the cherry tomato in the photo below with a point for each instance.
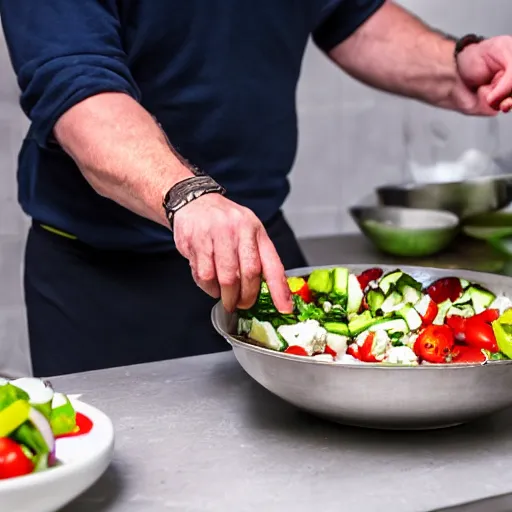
(435, 344)
(463, 354)
(444, 289)
(296, 350)
(480, 335)
(330, 351)
(488, 316)
(372, 274)
(13, 462)
(365, 350)
(458, 326)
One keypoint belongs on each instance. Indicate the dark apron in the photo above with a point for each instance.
(89, 309)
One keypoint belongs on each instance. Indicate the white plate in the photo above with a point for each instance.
(84, 459)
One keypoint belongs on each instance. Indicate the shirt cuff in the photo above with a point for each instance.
(343, 21)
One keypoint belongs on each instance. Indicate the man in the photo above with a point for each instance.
(104, 283)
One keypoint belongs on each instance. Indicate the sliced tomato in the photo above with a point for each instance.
(488, 316)
(365, 350)
(13, 461)
(366, 277)
(330, 351)
(353, 350)
(305, 293)
(462, 354)
(435, 344)
(444, 289)
(299, 286)
(296, 350)
(458, 326)
(430, 313)
(480, 335)
(83, 426)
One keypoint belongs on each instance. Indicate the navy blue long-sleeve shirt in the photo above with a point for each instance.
(219, 75)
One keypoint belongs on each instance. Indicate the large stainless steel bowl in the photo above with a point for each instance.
(464, 198)
(378, 396)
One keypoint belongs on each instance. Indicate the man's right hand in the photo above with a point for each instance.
(229, 249)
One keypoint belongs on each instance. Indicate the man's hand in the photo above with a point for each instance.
(396, 52)
(485, 70)
(228, 250)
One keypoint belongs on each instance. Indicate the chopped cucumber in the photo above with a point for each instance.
(264, 333)
(406, 280)
(422, 305)
(362, 322)
(320, 281)
(389, 279)
(337, 328)
(442, 310)
(244, 326)
(411, 316)
(355, 294)
(341, 281)
(465, 284)
(375, 299)
(464, 310)
(393, 300)
(390, 326)
(464, 298)
(411, 295)
(481, 298)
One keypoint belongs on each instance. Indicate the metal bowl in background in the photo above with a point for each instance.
(375, 395)
(406, 231)
(463, 198)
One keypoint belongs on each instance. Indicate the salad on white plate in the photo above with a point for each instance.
(32, 417)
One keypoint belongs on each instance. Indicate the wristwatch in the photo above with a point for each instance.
(188, 190)
(465, 41)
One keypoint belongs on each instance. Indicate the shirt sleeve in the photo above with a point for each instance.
(340, 19)
(63, 52)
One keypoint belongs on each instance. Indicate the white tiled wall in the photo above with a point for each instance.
(350, 140)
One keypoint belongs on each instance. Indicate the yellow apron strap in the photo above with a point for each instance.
(58, 232)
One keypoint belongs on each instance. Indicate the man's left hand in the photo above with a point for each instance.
(485, 77)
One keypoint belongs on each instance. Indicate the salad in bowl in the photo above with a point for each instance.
(382, 318)
(32, 417)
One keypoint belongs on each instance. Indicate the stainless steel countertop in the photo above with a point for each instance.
(198, 435)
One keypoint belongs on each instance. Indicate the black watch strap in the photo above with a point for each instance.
(186, 191)
(465, 41)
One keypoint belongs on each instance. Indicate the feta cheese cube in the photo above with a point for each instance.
(309, 335)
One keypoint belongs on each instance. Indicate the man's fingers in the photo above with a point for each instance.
(273, 271)
(502, 88)
(250, 268)
(506, 105)
(225, 249)
(203, 270)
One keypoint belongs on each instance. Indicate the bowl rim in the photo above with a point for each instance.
(475, 180)
(452, 220)
(298, 272)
